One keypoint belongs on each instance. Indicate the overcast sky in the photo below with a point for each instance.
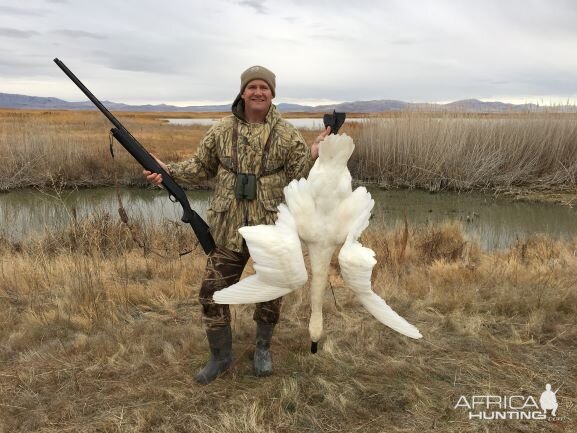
(188, 52)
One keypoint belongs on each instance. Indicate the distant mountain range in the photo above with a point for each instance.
(8, 100)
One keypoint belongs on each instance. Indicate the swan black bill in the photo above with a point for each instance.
(314, 347)
(335, 121)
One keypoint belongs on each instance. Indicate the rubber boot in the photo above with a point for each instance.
(220, 344)
(262, 355)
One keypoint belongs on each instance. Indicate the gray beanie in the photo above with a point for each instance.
(258, 73)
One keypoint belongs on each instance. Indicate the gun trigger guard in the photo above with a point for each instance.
(172, 198)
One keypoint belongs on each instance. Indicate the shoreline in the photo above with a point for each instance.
(562, 196)
(526, 158)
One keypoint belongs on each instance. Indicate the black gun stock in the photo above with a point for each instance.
(146, 160)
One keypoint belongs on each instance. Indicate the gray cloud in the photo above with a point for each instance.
(435, 50)
(13, 67)
(21, 11)
(16, 33)
(334, 36)
(257, 5)
(404, 41)
(78, 34)
(130, 61)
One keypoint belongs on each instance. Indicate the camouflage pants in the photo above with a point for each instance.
(224, 268)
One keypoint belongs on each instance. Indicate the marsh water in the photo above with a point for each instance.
(496, 222)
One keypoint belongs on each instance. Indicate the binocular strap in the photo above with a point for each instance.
(235, 150)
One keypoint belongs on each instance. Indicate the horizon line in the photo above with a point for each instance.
(539, 102)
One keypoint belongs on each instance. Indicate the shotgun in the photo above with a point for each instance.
(146, 160)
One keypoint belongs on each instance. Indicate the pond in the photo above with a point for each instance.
(496, 222)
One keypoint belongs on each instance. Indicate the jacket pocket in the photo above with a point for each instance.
(220, 203)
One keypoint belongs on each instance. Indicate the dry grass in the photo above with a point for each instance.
(96, 336)
(509, 153)
(71, 148)
(462, 151)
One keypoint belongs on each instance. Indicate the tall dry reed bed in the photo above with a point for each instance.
(418, 150)
(71, 148)
(463, 151)
(68, 148)
(97, 336)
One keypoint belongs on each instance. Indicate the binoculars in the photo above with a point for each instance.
(245, 186)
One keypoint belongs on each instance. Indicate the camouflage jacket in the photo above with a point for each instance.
(288, 158)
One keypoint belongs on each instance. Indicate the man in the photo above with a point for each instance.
(253, 154)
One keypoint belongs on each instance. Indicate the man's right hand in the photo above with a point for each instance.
(155, 178)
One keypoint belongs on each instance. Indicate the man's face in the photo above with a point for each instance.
(257, 96)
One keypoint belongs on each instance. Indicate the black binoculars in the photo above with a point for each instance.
(245, 186)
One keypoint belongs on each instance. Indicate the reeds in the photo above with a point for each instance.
(72, 149)
(98, 335)
(434, 151)
(464, 151)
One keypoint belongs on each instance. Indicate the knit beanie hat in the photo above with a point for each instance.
(258, 73)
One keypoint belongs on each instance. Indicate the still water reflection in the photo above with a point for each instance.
(495, 222)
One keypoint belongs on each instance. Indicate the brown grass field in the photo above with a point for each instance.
(97, 335)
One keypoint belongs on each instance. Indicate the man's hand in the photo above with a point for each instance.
(315, 146)
(155, 178)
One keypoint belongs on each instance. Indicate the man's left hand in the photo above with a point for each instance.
(315, 146)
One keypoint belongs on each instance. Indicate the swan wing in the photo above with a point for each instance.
(278, 262)
(353, 214)
(356, 263)
(301, 204)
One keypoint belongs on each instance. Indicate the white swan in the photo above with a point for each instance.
(325, 213)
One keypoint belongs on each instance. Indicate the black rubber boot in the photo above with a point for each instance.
(262, 355)
(220, 343)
